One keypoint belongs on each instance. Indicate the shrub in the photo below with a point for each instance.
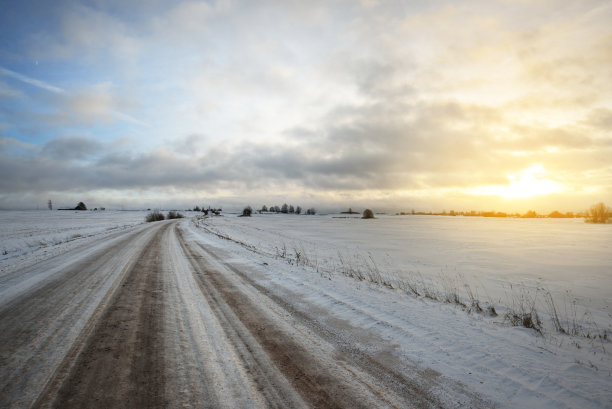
(598, 213)
(174, 215)
(523, 312)
(154, 216)
(247, 211)
(368, 214)
(529, 320)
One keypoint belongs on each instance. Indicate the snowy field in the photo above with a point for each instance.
(497, 258)
(507, 262)
(31, 235)
(25, 231)
(308, 261)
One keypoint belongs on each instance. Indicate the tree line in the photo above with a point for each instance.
(284, 209)
(216, 212)
(597, 213)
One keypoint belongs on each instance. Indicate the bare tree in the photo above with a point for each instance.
(598, 213)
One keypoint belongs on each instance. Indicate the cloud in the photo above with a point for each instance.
(87, 35)
(94, 103)
(89, 105)
(190, 145)
(383, 147)
(31, 81)
(335, 99)
(71, 148)
(13, 146)
(600, 119)
(86, 105)
(8, 92)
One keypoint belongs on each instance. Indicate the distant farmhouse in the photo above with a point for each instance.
(80, 206)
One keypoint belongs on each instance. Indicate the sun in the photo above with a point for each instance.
(527, 183)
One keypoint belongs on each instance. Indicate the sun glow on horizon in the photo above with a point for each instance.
(381, 104)
(527, 183)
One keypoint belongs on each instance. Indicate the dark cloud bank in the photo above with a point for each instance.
(359, 148)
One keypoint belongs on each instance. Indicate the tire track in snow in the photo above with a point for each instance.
(153, 320)
(322, 373)
(402, 326)
(120, 363)
(211, 361)
(415, 384)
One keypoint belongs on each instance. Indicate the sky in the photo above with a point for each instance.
(395, 105)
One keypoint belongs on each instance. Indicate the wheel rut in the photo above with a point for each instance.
(319, 383)
(120, 364)
(172, 324)
(407, 390)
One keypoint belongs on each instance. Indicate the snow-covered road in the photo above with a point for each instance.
(152, 317)
(199, 313)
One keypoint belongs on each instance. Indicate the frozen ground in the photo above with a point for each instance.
(505, 260)
(27, 236)
(229, 302)
(496, 257)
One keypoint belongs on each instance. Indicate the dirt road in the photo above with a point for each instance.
(147, 318)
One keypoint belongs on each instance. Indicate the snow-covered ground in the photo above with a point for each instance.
(507, 260)
(27, 236)
(499, 258)
(502, 260)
